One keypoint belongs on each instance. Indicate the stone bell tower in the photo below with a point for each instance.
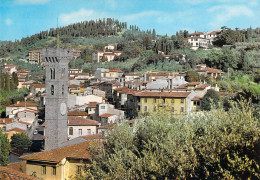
(56, 72)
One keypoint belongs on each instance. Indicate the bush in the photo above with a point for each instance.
(207, 145)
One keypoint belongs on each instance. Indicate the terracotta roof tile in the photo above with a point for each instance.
(163, 94)
(78, 121)
(106, 115)
(19, 166)
(23, 122)
(77, 113)
(193, 83)
(16, 130)
(116, 70)
(24, 104)
(203, 86)
(39, 85)
(92, 104)
(93, 137)
(6, 120)
(78, 151)
(11, 174)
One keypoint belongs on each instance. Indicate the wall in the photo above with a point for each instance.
(84, 130)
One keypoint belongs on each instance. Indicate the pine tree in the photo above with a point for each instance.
(4, 149)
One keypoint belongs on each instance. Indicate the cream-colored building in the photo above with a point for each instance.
(59, 164)
(35, 57)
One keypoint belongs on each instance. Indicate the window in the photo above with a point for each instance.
(54, 171)
(43, 169)
(163, 100)
(103, 107)
(145, 100)
(62, 90)
(80, 132)
(145, 108)
(52, 90)
(71, 131)
(182, 109)
(25, 114)
(79, 169)
(89, 131)
(182, 100)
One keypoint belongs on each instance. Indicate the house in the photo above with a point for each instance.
(59, 164)
(81, 114)
(105, 119)
(13, 131)
(92, 110)
(202, 69)
(7, 173)
(35, 57)
(73, 71)
(110, 109)
(176, 102)
(37, 88)
(74, 89)
(196, 104)
(78, 126)
(97, 56)
(13, 109)
(10, 69)
(4, 122)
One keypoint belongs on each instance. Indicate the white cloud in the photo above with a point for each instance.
(8, 21)
(81, 15)
(31, 1)
(225, 13)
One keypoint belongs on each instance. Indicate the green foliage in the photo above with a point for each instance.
(192, 76)
(206, 145)
(209, 99)
(4, 149)
(20, 141)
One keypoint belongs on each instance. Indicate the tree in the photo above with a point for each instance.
(192, 76)
(209, 99)
(208, 145)
(4, 149)
(20, 141)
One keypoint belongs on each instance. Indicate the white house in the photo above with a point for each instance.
(78, 126)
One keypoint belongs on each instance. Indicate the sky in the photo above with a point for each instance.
(22, 18)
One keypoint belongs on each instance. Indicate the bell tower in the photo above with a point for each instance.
(56, 72)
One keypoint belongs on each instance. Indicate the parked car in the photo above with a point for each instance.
(35, 131)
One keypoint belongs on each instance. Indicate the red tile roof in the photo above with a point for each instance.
(5, 120)
(11, 174)
(77, 113)
(203, 86)
(23, 122)
(39, 85)
(92, 104)
(196, 98)
(93, 137)
(116, 70)
(76, 151)
(16, 130)
(193, 83)
(78, 121)
(24, 104)
(18, 166)
(215, 32)
(163, 94)
(106, 115)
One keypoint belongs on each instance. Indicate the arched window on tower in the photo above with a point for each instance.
(52, 90)
(62, 90)
(71, 131)
(51, 72)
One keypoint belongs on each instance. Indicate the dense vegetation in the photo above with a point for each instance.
(4, 148)
(214, 144)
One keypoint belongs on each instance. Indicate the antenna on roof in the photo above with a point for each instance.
(58, 36)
